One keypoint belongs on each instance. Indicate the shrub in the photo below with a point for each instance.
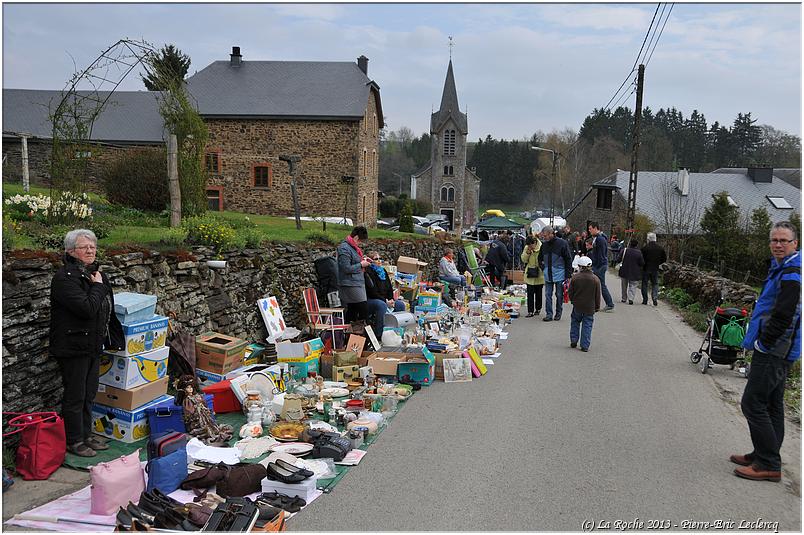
(174, 237)
(406, 218)
(318, 236)
(138, 179)
(120, 215)
(210, 231)
(252, 237)
(10, 230)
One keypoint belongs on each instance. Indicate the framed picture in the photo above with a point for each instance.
(457, 370)
(373, 337)
(272, 317)
(356, 343)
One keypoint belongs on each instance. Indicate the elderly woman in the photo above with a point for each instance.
(630, 271)
(352, 284)
(82, 323)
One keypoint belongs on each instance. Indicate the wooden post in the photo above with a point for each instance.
(292, 161)
(26, 177)
(173, 181)
(698, 262)
(682, 258)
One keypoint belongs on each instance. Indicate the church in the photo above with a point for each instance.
(452, 188)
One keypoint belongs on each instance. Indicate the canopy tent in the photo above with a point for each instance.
(498, 223)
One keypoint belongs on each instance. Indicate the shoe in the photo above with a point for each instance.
(537, 312)
(140, 514)
(283, 501)
(285, 475)
(644, 302)
(758, 474)
(623, 300)
(167, 500)
(96, 444)
(557, 317)
(292, 467)
(529, 315)
(81, 449)
(655, 303)
(573, 345)
(149, 503)
(585, 349)
(547, 318)
(123, 520)
(742, 460)
(630, 302)
(609, 309)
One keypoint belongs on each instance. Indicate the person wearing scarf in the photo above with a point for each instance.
(380, 293)
(82, 324)
(448, 272)
(351, 280)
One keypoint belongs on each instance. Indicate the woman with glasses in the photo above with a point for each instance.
(82, 324)
(380, 293)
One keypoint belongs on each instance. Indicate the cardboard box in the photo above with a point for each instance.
(326, 362)
(134, 308)
(253, 354)
(428, 301)
(299, 351)
(133, 398)
(144, 336)
(219, 353)
(408, 264)
(300, 370)
(345, 358)
(518, 276)
(130, 372)
(419, 370)
(206, 378)
(385, 365)
(345, 373)
(304, 490)
(123, 425)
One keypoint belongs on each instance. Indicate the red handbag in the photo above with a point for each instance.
(43, 444)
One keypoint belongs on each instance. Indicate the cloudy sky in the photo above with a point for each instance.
(519, 67)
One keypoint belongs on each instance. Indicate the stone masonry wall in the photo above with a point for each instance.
(706, 286)
(202, 299)
(609, 220)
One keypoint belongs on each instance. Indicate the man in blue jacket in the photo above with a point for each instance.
(775, 336)
(556, 263)
(599, 253)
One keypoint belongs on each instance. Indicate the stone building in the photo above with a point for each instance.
(447, 184)
(328, 113)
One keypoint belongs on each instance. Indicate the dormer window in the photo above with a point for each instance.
(780, 203)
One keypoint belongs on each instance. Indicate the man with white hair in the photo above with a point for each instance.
(654, 256)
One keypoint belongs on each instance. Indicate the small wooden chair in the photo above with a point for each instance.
(322, 319)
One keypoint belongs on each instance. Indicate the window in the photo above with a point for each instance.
(365, 121)
(451, 195)
(375, 124)
(780, 202)
(449, 142)
(604, 198)
(365, 162)
(212, 162)
(448, 170)
(374, 163)
(363, 211)
(447, 193)
(215, 198)
(262, 175)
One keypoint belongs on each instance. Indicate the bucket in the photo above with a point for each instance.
(399, 319)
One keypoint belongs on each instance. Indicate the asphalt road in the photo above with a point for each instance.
(553, 437)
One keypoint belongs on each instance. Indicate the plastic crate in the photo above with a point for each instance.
(167, 416)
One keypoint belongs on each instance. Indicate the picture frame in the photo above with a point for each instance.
(356, 343)
(457, 370)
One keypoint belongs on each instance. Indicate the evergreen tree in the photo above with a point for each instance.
(406, 218)
(756, 250)
(171, 65)
(746, 137)
(719, 222)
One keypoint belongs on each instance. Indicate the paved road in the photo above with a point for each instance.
(552, 437)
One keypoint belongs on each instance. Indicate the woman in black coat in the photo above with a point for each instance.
(630, 271)
(82, 323)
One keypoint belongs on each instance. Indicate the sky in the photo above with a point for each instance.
(519, 68)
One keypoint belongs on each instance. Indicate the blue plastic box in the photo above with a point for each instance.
(132, 308)
(167, 416)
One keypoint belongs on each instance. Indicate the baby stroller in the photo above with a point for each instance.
(723, 339)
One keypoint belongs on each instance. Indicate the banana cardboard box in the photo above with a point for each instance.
(122, 425)
(134, 371)
(144, 336)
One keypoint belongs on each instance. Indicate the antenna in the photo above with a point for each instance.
(451, 44)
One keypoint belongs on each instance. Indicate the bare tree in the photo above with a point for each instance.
(677, 216)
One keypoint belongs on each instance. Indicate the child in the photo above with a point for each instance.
(584, 293)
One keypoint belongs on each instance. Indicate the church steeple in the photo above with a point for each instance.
(449, 106)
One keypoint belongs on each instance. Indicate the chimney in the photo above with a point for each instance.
(684, 182)
(235, 58)
(362, 64)
(761, 174)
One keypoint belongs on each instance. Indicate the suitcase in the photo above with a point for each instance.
(162, 444)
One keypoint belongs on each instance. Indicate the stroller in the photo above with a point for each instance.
(722, 341)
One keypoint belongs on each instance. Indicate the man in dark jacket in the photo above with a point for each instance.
(584, 293)
(654, 256)
(497, 258)
(379, 293)
(82, 323)
(775, 336)
(556, 263)
(599, 253)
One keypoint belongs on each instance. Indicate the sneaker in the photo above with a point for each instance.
(630, 302)
(609, 308)
(547, 318)
(81, 449)
(96, 444)
(585, 349)
(573, 345)
(655, 303)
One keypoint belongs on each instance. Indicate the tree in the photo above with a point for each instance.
(406, 218)
(677, 215)
(795, 219)
(718, 223)
(169, 64)
(756, 242)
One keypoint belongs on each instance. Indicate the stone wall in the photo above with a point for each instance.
(706, 286)
(610, 221)
(202, 299)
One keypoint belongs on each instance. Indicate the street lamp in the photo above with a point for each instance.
(553, 182)
(400, 182)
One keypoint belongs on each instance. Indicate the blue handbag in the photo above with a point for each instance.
(166, 473)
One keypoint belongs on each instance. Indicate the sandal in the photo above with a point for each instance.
(283, 501)
(81, 449)
(95, 444)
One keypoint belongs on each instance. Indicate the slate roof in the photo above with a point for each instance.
(747, 194)
(789, 175)
(128, 117)
(287, 89)
(449, 107)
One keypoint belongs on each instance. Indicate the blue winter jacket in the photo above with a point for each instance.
(599, 253)
(775, 327)
(555, 260)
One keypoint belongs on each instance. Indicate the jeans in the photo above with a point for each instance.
(628, 288)
(455, 280)
(763, 407)
(548, 298)
(399, 305)
(600, 271)
(377, 308)
(534, 298)
(80, 379)
(582, 322)
(653, 278)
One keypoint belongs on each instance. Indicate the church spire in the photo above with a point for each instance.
(449, 98)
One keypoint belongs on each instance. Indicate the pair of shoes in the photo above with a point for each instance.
(529, 315)
(81, 449)
(623, 300)
(609, 309)
(758, 474)
(154, 501)
(630, 302)
(286, 472)
(585, 349)
(644, 302)
(96, 444)
(742, 460)
(283, 501)
(547, 318)
(573, 345)
(537, 312)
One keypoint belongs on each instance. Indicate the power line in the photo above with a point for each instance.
(660, 34)
(655, 30)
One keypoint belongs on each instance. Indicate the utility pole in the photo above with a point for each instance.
(632, 179)
(173, 181)
(292, 161)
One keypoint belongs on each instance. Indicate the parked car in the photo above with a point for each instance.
(423, 221)
(417, 229)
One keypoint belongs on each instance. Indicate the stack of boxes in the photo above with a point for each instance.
(216, 355)
(135, 378)
(408, 274)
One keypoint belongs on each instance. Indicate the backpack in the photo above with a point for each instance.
(732, 333)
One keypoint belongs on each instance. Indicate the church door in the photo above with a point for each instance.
(450, 215)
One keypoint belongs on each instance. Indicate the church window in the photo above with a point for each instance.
(374, 163)
(449, 142)
(448, 170)
(365, 162)
(447, 193)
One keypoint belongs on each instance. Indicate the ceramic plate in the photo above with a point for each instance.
(335, 392)
(294, 448)
(334, 384)
(286, 431)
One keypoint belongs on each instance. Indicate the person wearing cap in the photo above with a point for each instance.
(584, 294)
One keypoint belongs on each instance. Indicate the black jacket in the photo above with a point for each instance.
(632, 264)
(549, 255)
(654, 256)
(377, 288)
(82, 319)
(497, 255)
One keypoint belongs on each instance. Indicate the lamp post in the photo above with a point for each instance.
(553, 182)
(400, 182)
